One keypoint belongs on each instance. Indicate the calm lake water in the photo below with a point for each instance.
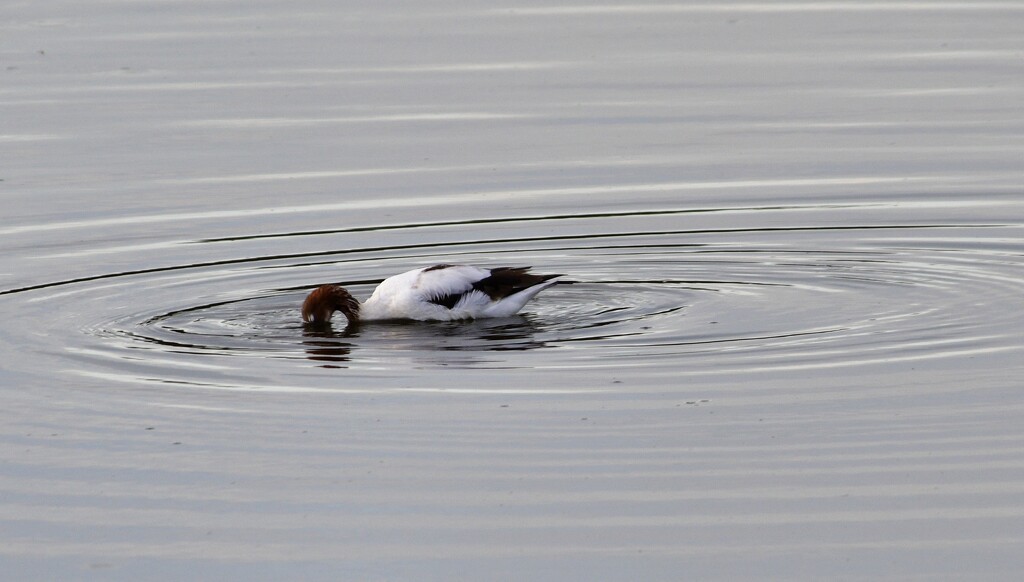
(791, 347)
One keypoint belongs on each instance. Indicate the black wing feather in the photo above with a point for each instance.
(505, 281)
(449, 301)
(502, 282)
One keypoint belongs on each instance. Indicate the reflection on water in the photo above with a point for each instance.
(325, 343)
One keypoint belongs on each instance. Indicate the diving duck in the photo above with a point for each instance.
(437, 293)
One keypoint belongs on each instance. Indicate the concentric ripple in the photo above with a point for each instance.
(788, 346)
(658, 302)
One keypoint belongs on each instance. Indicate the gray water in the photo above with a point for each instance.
(789, 345)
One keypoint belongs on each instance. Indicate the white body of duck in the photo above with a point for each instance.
(437, 293)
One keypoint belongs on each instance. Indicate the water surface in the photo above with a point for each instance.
(789, 342)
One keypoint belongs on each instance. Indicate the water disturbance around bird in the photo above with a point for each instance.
(690, 291)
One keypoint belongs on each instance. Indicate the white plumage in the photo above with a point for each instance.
(437, 293)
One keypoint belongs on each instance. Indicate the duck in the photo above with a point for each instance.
(437, 293)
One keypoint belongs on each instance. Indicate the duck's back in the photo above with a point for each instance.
(447, 292)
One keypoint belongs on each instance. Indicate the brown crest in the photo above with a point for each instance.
(321, 304)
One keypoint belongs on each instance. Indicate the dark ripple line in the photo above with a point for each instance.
(587, 215)
(158, 318)
(477, 243)
(703, 342)
(190, 348)
(638, 317)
